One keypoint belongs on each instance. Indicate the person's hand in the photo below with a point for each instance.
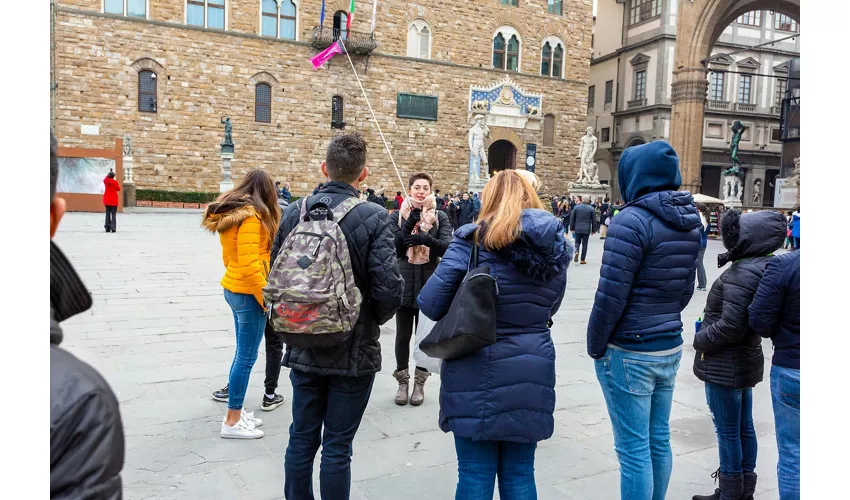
(418, 239)
(413, 219)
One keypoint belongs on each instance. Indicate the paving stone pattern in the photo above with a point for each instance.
(162, 335)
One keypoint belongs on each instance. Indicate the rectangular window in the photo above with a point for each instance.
(605, 135)
(591, 97)
(215, 14)
(419, 107)
(136, 8)
(781, 88)
(717, 81)
(113, 7)
(644, 10)
(195, 12)
(744, 86)
(337, 107)
(269, 25)
(609, 91)
(514, 3)
(263, 103)
(556, 7)
(774, 135)
(784, 23)
(147, 91)
(640, 84)
(750, 18)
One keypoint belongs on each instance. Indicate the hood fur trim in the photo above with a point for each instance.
(534, 264)
(222, 221)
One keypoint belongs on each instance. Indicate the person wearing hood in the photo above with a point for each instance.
(421, 237)
(245, 218)
(86, 434)
(635, 327)
(729, 356)
(499, 401)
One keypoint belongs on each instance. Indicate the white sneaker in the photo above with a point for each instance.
(248, 416)
(242, 430)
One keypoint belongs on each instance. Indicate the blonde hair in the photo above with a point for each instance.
(504, 198)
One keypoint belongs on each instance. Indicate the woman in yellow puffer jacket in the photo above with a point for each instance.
(246, 220)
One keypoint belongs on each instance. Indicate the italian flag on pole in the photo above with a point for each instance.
(350, 15)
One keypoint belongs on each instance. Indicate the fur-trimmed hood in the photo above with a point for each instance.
(221, 216)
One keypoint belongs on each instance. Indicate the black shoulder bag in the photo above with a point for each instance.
(470, 324)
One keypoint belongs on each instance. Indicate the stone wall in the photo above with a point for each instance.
(206, 74)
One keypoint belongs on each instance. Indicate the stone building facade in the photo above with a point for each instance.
(116, 59)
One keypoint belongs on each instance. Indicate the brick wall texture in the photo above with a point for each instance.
(203, 75)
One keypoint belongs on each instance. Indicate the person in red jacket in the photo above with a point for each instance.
(110, 199)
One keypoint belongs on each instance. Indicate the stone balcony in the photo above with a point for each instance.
(776, 110)
(637, 103)
(719, 105)
(742, 106)
(356, 42)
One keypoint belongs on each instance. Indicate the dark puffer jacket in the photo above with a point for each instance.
(505, 392)
(86, 434)
(581, 219)
(649, 262)
(369, 236)
(775, 311)
(416, 275)
(729, 352)
(465, 212)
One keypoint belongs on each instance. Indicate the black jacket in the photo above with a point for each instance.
(415, 275)
(86, 434)
(451, 212)
(369, 236)
(729, 352)
(582, 219)
(465, 212)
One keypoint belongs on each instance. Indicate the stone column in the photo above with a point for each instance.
(226, 183)
(690, 88)
(129, 185)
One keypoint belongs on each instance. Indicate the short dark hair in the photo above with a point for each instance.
(420, 175)
(346, 157)
(54, 167)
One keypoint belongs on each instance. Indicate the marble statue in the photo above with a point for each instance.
(480, 105)
(737, 132)
(588, 177)
(478, 166)
(757, 192)
(533, 110)
(228, 132)
(587, 151)
(733, 186)
(128, 145)
(506, 96)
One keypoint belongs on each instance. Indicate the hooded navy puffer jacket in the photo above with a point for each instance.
(648, 266)
(505, 392)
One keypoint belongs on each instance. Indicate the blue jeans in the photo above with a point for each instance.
(479, 463)
(250, 321)
(638, 391)
(338, 402)
(732, 413)
(785, 392)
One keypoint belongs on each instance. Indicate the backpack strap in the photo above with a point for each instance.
(304, 215)
(345, 207)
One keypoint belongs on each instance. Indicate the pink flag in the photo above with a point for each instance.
(326, 55)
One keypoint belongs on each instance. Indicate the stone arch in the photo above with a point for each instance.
(264, 77)
(511, 19)
(699, 24)
(418, 12)
(504, 134)
(335, 6)
(146, 63)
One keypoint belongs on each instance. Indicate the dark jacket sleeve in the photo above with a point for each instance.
(689, 291)
(566, 247)
(572, 227)
(737, 291)
(87, 449)
(287, 223)
(439, 291)
(769, 301)
(621, 262)
(444, 235)
(382, 262)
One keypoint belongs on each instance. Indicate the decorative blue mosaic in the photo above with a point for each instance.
(492, 95)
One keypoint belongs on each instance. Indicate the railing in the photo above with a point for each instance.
(721, 105)
(637, 103)
(355, 42)
(742, 106)
(776, 110)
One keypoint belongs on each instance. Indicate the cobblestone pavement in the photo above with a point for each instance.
(162, 335)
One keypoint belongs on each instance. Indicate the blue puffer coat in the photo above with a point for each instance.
(649, 262)
(505, 392)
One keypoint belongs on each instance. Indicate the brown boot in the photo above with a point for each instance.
(418, 396)
(403, 377)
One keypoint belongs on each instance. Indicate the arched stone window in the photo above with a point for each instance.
(552, 57)
(279, 18)
(340, 21)
(506, 49)
(147, 91)
(419, 39)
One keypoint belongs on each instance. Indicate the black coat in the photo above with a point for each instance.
(369, 236)
(416, 275)
(86, 434)
(451, 212)
(465, 212)
(582, 219)
(729, 352)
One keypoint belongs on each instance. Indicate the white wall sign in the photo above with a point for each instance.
(90, 129)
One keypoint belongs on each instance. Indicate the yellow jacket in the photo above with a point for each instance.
(245, 249)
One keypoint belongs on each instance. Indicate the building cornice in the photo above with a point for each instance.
(303, 43)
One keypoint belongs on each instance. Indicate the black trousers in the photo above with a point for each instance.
(274, 356)
(406, 319)
(582, 239)
(110, 223)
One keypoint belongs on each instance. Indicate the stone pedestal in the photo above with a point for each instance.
(733, 189)
(592, 191)
(226, 183)
(128, 185)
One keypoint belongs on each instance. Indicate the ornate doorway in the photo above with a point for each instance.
(501, 156)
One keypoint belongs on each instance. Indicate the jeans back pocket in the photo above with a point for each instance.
(789, 391)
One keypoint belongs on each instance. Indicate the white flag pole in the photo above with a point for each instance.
(374, 11)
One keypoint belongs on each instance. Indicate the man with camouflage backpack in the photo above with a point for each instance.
(332, 367)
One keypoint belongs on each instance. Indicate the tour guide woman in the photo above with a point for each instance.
(244, 217)
(499, 401)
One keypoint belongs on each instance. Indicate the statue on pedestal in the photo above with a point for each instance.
(737, 132)
(757, 192)
(733, 187)
(588, 171)
(227, 144)
(478, 166)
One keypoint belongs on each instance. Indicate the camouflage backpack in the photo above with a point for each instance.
(311, 296)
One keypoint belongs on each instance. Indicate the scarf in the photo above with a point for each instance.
(419, 254)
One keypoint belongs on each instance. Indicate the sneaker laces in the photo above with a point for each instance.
(248, 416)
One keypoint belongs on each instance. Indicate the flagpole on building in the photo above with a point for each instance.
(374, 11)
